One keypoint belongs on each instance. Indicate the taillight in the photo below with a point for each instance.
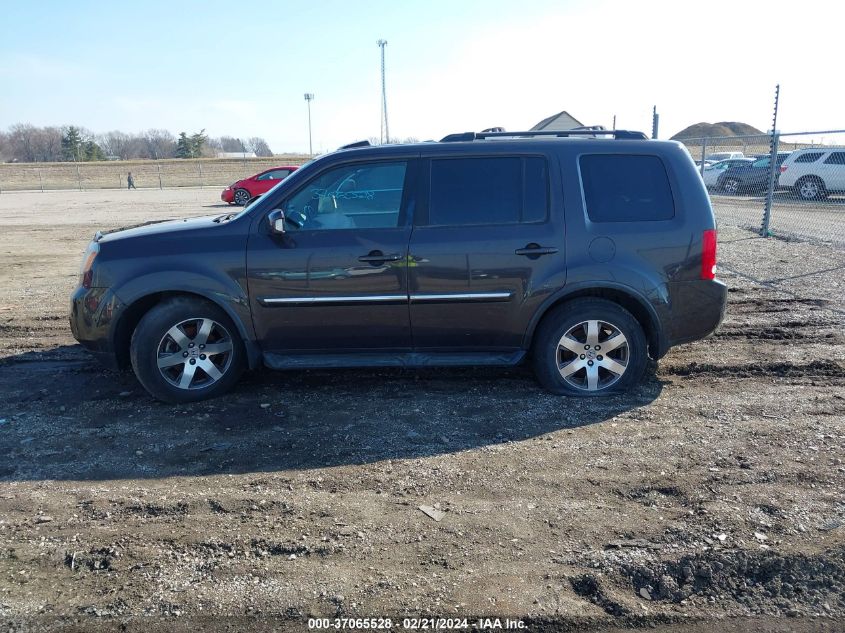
(782, 168)
(708, 254)
(86, 272)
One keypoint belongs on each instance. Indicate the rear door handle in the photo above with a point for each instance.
(535, 250)
(375, 257)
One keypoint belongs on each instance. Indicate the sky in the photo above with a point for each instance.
(241, 69)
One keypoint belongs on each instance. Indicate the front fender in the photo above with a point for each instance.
(224, 292)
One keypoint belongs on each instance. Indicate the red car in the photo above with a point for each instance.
(240, 192)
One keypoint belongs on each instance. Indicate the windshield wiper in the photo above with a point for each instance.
(225, 217)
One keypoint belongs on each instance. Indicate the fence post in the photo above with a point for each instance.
(40, 180)
(159, 177)
(703, 152)
(773, 155)
(78, 176)
(200, 168)
(773, 168)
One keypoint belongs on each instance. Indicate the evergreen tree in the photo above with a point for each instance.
(92, 151)
(183, 146)
(72, 144)
(196, 142)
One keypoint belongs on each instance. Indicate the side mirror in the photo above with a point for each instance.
(277, 221)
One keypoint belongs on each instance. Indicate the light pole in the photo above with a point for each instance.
(384, 133)
(309, 97)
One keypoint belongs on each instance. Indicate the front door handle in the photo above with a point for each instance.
(375, 257)
(535, 250)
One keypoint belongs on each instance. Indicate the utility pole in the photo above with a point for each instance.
(655, 122)
(309, 97)
(384, 133)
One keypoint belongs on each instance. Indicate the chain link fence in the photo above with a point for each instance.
(159, 174)
(789, 185)
(780, 203)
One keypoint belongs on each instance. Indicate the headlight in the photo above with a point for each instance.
(86, 273)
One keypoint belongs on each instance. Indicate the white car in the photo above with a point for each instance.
(712, 172)
(720, 156)
(814, 172)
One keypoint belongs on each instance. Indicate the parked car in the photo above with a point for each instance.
(814, 172)
(242, 191)
(750, 178)
(719, 156)
(585, 255)
(712, 172)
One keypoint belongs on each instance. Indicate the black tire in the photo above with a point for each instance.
(810, 188)
(153, 343)
(241, 197)
(550, 355)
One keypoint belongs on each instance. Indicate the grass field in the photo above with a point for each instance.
(147, 173)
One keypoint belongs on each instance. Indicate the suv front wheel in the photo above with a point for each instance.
(589, 347)
(186, 349)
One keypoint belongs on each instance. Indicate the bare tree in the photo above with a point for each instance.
(260, 147)
(232, 144)
(117, 144)
(47, 144)
(21, 142)
(159, 144)
(24, 142)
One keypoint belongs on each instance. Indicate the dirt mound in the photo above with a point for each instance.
(764, 582)
(723, 128)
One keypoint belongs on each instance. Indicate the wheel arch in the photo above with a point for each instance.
(139, 306)
(814, 177)
(626, 297)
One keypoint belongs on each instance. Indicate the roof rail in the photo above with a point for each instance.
(473, 136)
(355, 144)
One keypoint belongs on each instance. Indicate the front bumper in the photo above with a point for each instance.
(228, 195)
(94, 313)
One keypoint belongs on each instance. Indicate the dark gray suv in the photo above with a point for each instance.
(586, 254)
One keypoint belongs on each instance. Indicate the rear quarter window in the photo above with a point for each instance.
(626, 188)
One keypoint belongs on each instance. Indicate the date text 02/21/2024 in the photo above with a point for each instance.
(416, 624)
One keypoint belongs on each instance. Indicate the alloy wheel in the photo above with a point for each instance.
(809, 189)
(195, 353)
(592, 355)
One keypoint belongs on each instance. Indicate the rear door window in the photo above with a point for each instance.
(626, 188)
(809, 157)
(494, 190)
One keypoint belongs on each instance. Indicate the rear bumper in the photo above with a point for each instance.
(94, 313)
(697, 309)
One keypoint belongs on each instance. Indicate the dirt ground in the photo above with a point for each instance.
(710, 498)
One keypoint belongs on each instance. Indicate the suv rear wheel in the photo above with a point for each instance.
(186, 349)
(589, 347)
(811, 188)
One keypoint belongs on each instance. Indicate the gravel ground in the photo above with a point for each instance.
(711, 493)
